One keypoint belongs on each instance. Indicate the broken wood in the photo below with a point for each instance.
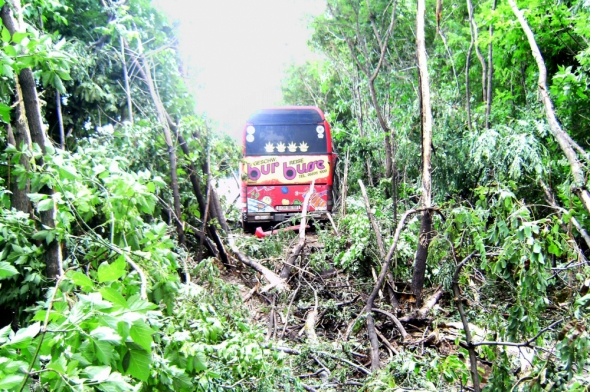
(561, 136)
(274, 280)
(422, 313)
(369, 306)
(395, 320)
(312, 337)
(286, 271)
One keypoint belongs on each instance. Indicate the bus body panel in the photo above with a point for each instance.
(285, 149)
(287, 169)
(276, 203)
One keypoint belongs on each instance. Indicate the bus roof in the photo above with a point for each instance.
(287, 115)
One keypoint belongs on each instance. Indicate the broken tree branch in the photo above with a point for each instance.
(459, 304)
(286, 271)
(561, 136)
(273, 279)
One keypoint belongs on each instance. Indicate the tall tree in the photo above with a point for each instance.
(426, 126)
(28, 101)
(565, 142)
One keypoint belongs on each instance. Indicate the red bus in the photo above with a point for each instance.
(285, 149)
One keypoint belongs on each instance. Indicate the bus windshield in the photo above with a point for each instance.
(286, 140)
(286, 132)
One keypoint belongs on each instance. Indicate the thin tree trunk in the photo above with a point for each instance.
(145, 71)
(458, 302)
(475, 36)
(27, 96)
(490, 72)
(215, 212)
(560, 135)
(426, 112)
(467, 84)
(372, 76)
(126, 80)
(344, 184)
(60, 123)
(360, 122)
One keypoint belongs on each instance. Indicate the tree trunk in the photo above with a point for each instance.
(145, 71)
(126, 80)
(426, 114)
(490, 72)
(560, 135)
(467, 69)
(474, 35)
(216, 210)
(22, 140)
(29, 104)
(372, 76)
(60, 123)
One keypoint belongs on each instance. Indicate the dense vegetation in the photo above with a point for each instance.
(466, 270)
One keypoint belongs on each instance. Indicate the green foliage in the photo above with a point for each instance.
(22, 267)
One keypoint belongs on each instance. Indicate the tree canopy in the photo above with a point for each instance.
(458, 257)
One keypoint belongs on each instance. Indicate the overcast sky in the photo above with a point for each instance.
(237, 50)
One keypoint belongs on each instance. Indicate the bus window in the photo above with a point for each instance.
(286, 139)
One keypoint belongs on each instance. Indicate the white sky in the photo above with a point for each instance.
(237, 51)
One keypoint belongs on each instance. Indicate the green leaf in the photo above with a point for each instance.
(109, 272)
(36, 197)
(98, 373)
(5, 112)
(23, 337)
(59, 365)
(104, 351)
(42, 235)
(17, 37)
(68, 172)
(137, 364)
(114, 296)
(7, 270)
(11, 381)
(200, 361)
(45, 205)
(59, 86)
(4, 333)
(106, 334)
(79, 279)
(141, 334)
(5, 35)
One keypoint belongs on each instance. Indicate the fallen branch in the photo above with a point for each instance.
(459, 304)
(143, 290)
(371, 330)
(384, 268)
(43, 332)
(395, 320)
(292, 351)
(333, 224)
(286, 271)
(386, 342)
(271, 277)
(289, 310)
(528, 343)
(422, 313)
(309, 327)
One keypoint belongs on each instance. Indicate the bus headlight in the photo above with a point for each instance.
(250, 130)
